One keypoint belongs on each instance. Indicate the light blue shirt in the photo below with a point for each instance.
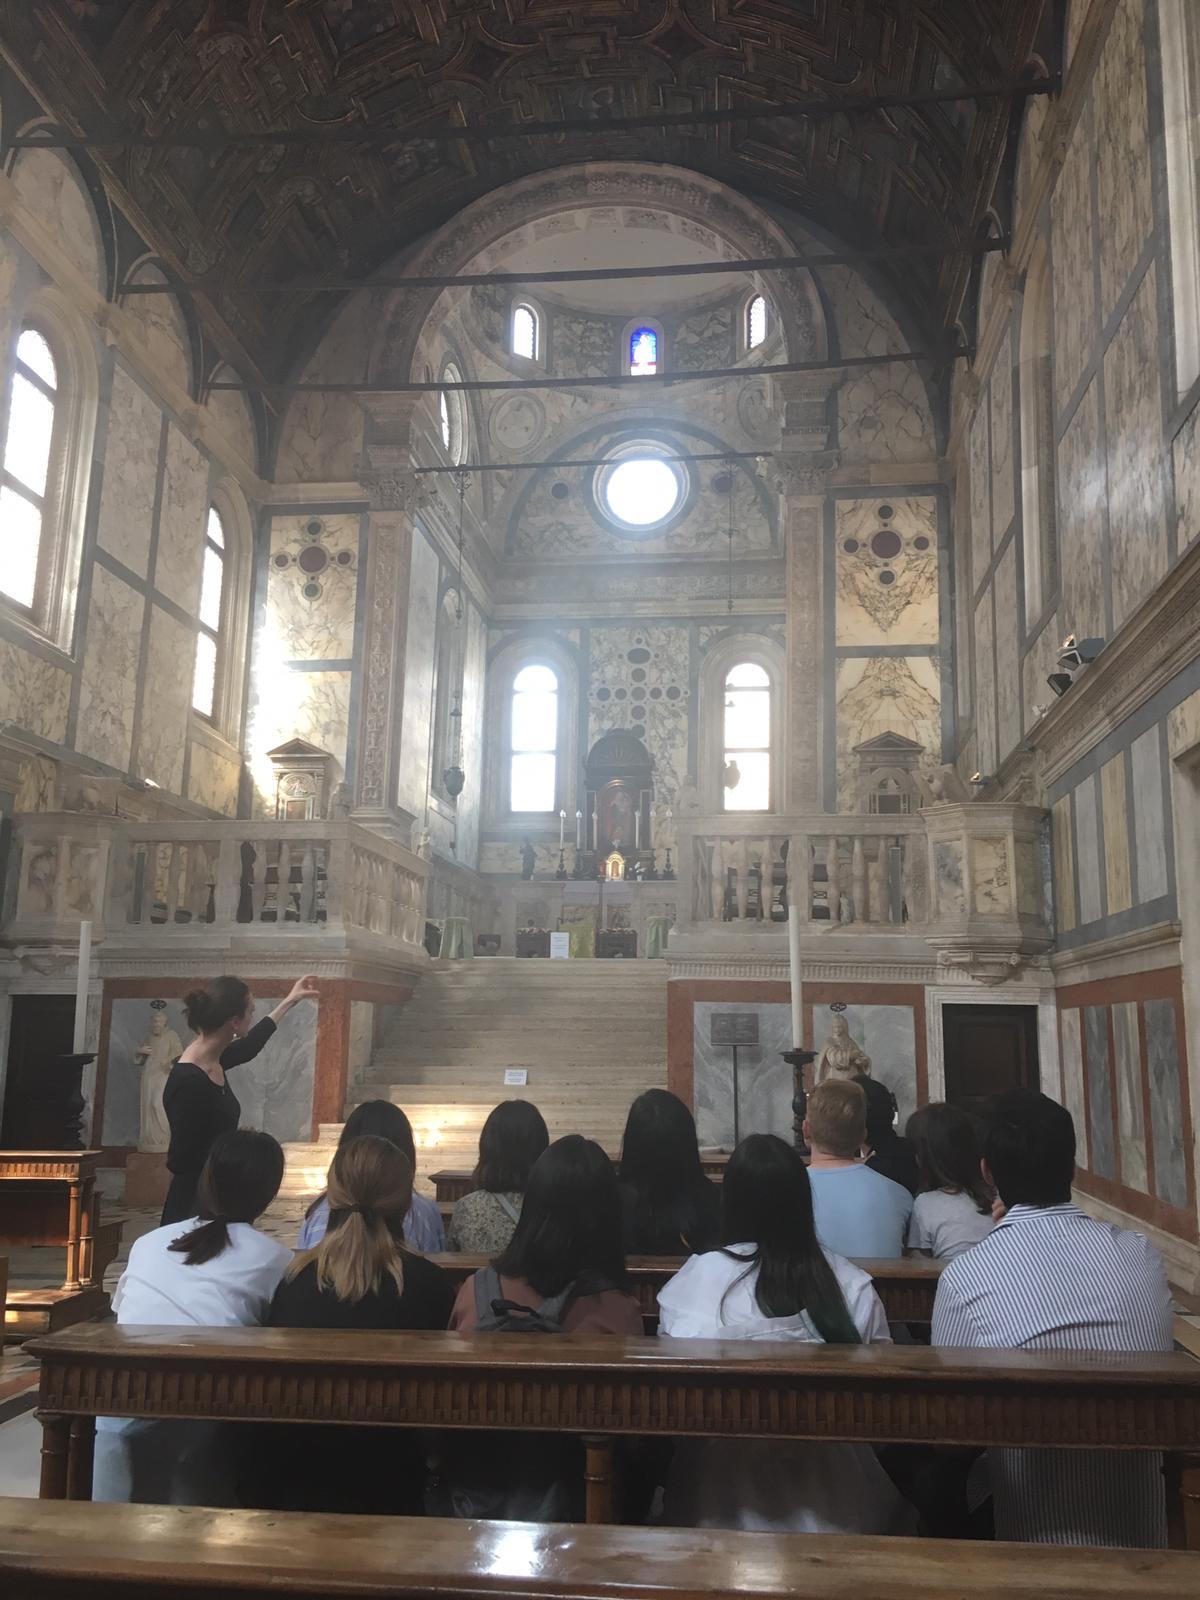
(423, 1227)
(859, 1213)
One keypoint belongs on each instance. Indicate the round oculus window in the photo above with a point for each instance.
(640, 492)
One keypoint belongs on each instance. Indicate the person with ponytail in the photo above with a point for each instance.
(771, 1280)
(360, 1275)
(215, 1270)
(197, 1098)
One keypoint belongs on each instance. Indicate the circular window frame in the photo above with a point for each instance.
(640, 450)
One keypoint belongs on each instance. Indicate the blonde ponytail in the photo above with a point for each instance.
(370, 1191)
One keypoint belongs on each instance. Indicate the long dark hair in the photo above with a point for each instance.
(881, 1111)
(948, 1152)
(512, 1139)
(660, 1164)
(218, 1002)
(766, 1201)
(570, 1225)
(375, 1119)
(240, 1179)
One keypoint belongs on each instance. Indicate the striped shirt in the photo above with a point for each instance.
(1053, 1278)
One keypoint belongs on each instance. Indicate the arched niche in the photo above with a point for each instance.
(619, 783)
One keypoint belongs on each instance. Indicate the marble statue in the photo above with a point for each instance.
(841, 1056)
(528, 859)
(155, 1055)
(425, 845)
(340, 800)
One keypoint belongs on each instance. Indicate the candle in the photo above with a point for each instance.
(794, 974)
(595, 830)
(637, 828)
(562, 822)
(579, 830)
(81, 986)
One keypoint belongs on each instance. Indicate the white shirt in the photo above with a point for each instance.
(1051, 1278)
(233, 1290)
(743, 1483)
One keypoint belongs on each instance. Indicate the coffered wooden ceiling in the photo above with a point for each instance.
(248, 215)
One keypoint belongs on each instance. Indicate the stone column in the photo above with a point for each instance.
(394, 491)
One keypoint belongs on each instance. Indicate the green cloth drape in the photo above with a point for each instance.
(657, 932)
(458, 943)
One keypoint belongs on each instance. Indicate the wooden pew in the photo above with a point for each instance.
(115, 1551)
(453, 1182)
(603, 1387)
(48, 1197)
(906, 1287)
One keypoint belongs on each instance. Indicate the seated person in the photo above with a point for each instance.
(565, 1266)
(953, 1211)
(772, 1280)
(380, 1119)
(1048, 1277)
(512, 1139)
(857, 1212)
(361, 1276)
(214, 1271)
(668, 1206)
(889, 1155)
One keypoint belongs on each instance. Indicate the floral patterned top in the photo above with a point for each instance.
(482, 1223)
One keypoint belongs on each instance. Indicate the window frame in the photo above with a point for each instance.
(635, 325)
(1179, 27)
(728, 750)
(203, 629)
(752, 299)
(43, 502)
(225, 723)
(510, 753)
(732, 651)
(455, 447)
(536, 357)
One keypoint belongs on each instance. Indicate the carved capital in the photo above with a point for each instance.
(393, 488)
(801, 474)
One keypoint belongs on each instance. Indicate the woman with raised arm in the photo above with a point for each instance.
(772, 1280)
(197, 1098)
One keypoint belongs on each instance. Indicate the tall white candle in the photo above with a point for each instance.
(562, 823)
(595, 830)
(794, 974)
(637, 828)
(81, 986)
(579, 830)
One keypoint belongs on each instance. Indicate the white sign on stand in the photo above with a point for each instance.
(560, 946)
(516, 1077)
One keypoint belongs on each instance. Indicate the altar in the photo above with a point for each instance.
(610, 919)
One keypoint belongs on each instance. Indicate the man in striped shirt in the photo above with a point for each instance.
(1050, 1278)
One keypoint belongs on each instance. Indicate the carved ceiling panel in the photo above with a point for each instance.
(268, 213)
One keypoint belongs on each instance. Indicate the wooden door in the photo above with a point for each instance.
(36, 1090)
(989, 1049)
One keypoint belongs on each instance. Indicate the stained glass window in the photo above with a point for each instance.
(643, 352)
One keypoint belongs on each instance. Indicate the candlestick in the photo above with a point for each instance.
(81, 986)
(562, 823)
(794, 974)
(578, 830)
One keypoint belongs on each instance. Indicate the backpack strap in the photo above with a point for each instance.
(487, 1291)
(554, 1309)
(511, 1211)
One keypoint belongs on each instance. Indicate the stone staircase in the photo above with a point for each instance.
(590, 1034)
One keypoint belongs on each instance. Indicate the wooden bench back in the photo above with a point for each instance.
(111, 1552)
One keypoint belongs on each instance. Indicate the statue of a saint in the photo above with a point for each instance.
(841, 1056)
(156, 1055)
(528, 859)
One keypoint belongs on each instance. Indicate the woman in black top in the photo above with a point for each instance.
(197, 1098)
(360, 1276)
(669, 1207)
(891, 1156)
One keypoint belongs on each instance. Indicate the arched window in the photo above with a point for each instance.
(212, 593)
(526, 330)
(1179, 26)
(643, 352)
(29, 447)
(746, 776)
(452, 416)
(756, 321)
(533, 739)
(1038, 536)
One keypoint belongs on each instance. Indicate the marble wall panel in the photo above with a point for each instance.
(166, 706)
(1008, 664)
(1082, 506)
(1131, 1116)
(1122, 151)
(1099, 1091)
(883, 412)
(312, 581)
(1137, 497)
(36, 788)
(881, 694)
(991, 877)
(1149, 817)
(1087, 852)
(419, 663)
(985, 684)
(1073, 252)
(322, 439)
(979, 456)
(49, 184)
(213, 779)
(764, 1078)
(1064, 864)
(1036, 666)
(1071, 1057)
(1187, 481)
(362, 1040)
(948, 873)
(1003, 454)
(162, 329)
(275, 1090)
(888, 1035)
(1117, 877)
(34, 693)
(233, 417)
(130, 474)
(656, 703)
(887, 595)
(182, 520)
(1169, 1130)
(111, 663)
